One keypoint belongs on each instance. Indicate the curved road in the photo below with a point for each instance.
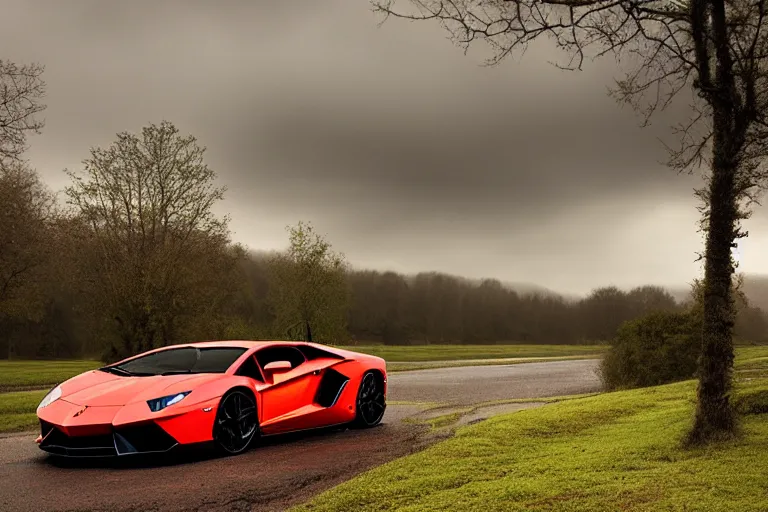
(282, 472)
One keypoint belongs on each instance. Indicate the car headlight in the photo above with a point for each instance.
(158, 404)
(51, 397)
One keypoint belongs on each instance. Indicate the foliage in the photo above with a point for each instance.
(437, 309)
(753, 402)
(658, 348)
(308, 291)
(155, 247)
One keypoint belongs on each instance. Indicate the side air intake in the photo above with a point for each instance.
(331, 386)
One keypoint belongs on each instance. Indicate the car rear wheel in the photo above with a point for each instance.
(237, 422)
(371, 402)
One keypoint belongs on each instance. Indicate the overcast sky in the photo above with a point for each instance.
(406, 153)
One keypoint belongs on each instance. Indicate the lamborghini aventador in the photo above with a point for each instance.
(225, 392)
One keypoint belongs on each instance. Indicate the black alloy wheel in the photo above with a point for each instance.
(371, 402)
(236, 422)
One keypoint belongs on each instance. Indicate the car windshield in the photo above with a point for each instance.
(179, 361)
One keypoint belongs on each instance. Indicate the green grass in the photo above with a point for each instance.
(613, 451)
(393, 353)
(22, 374)
(17, 410)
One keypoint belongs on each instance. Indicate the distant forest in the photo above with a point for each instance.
(391, 308)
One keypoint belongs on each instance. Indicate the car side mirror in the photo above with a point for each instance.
(276, 367)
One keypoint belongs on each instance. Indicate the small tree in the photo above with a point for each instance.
(156, 242)
(717, 49)
(21, 91)
(308, 289)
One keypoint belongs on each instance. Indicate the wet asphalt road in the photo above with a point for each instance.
(283, 471)
(473, 384)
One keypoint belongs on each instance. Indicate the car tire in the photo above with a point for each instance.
(236, 423)
(371, 402)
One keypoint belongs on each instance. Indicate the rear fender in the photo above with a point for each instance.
(344, 410)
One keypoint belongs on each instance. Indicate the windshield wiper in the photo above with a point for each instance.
(176, 372)
(120, 371)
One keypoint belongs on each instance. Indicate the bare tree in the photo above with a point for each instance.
(21, 90)
(148, 199)
(27, 208)
(308, 290)
(716, 48)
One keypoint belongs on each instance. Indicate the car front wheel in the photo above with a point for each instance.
(236, 423)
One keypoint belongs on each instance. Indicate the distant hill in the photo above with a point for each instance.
(534, 289)
(755, 288)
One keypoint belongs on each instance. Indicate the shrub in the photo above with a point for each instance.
(658, 348)
(752, 402)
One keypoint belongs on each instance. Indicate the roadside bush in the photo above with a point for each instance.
(752, 402)
(658, 348)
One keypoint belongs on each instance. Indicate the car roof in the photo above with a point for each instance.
(234, 343)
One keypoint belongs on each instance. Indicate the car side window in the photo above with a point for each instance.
(271, 354)
(249, 368)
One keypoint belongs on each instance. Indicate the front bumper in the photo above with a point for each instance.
(146, 438)
(104, 431)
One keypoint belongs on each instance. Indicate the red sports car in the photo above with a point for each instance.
(228, 392)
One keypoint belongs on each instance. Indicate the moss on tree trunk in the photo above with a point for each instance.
(714, 414)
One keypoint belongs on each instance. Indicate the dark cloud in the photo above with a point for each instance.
(407, 153)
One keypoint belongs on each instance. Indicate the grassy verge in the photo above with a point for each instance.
(420, 353)
(404, 366)
(17, 410)
(17, 375)
(614, 451)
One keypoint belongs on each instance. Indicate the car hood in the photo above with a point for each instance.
(97, 388)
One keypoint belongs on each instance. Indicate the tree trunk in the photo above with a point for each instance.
(714, 415)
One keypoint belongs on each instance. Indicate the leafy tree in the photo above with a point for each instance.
(158, 251)
(308, 290)
(717, 49)
(21, 91)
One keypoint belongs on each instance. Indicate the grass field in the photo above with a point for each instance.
(614, 451)
(458, 352)
(16, 375)
(17, 410)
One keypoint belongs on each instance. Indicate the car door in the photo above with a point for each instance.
(287, 398)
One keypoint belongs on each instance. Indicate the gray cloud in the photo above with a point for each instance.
(407, 153)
